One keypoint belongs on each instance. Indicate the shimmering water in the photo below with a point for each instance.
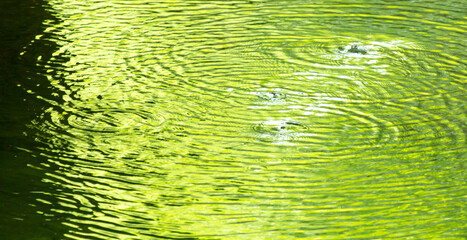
(241, 120)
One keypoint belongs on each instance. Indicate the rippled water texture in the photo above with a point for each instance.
(253, 120)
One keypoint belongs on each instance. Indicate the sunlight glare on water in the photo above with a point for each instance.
(255, 120)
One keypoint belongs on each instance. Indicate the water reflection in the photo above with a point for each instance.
(253, 119)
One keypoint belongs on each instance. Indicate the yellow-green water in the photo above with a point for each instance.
(251, 120)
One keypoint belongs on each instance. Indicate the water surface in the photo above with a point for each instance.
(249, 120)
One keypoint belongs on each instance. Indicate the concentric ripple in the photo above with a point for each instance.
(281, 130)
(255, 120)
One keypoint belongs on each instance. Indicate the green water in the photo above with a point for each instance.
(242, 120)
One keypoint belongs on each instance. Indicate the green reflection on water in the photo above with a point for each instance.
(257, 120)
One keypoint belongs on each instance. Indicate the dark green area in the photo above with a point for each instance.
(20, 23)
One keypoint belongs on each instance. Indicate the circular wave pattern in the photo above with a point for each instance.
(256, 120)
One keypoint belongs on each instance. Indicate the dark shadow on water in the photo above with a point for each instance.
(21, 81)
